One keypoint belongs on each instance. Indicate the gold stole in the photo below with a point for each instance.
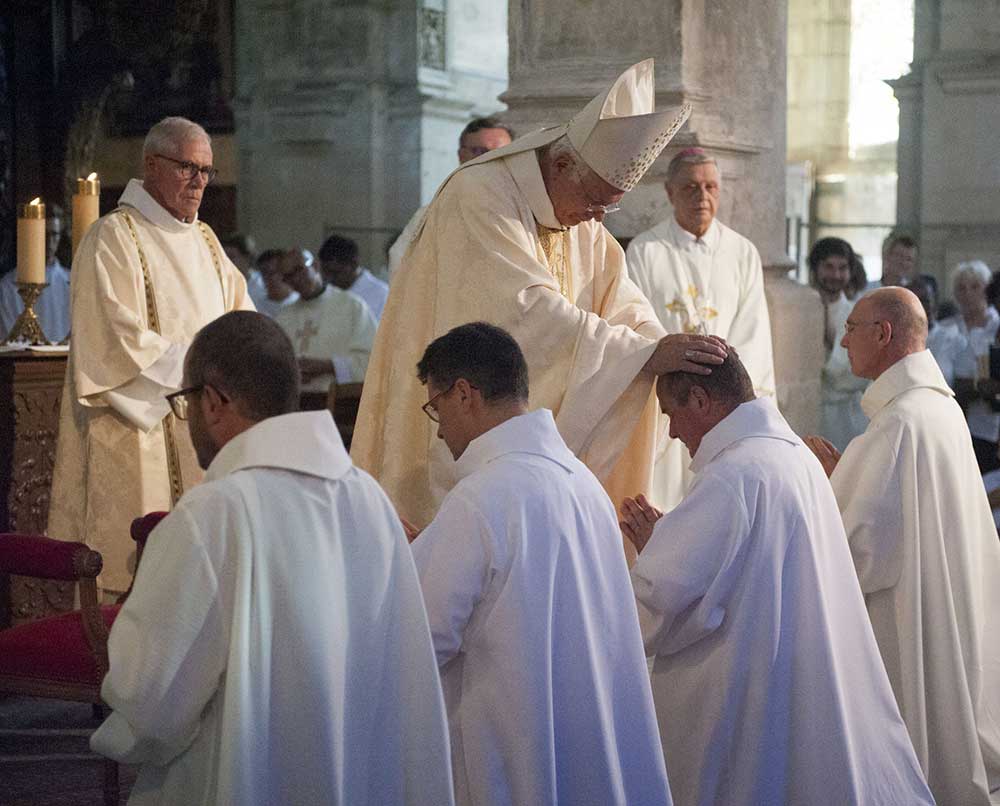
(173, 460)
(555, 245)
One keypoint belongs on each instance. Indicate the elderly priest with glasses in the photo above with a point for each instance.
(146, 278)
(515, 238)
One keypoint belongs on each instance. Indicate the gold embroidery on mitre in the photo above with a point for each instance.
(692, 315)
(555, 245)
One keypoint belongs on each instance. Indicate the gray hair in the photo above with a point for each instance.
(170, 133)
(688, 156)
(562, 147)
(973, 268)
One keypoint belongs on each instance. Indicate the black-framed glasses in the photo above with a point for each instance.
(428, 407)
(179, 400)
(188, 170)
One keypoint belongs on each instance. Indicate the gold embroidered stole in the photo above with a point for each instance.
(555, 245)
(173, 459)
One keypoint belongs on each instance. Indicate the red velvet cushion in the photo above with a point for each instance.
(37, 556)
(53, 648)
(141, 527)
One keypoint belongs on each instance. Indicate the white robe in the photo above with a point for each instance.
(928, 559)
(336, 325)
(946, 343)
(768, 683)
(373, 291)
(984, 423)
(52, 307)
(111, 456)
(842, 417)
(715, 281)
(402, 243)
(275, 648)
(534, 624)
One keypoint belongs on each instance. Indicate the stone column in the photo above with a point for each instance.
(949, 115)
(348, 115)
(730, 63)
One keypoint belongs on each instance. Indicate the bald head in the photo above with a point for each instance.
(885, 326)
(902, 309)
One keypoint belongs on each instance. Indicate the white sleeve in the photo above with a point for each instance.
(142, 401)
(686, 573)
(167, 653)
(453, 560)
(352, 366)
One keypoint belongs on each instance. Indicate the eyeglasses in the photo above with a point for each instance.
(179, 402)
(850, 327)
(188, 170)
(428, 407)
(592, 206)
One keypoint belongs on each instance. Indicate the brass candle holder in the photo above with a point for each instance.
(27, 328)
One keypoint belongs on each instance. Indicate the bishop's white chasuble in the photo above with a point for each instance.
(143, 284)
(491, 249)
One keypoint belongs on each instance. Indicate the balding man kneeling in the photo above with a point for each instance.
(924, 546)
(767, 681)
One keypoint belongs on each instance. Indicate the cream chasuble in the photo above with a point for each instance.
(112, 457)
(486, 252)
(712, 285)
(927, 556)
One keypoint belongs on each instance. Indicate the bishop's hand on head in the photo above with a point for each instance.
(682, 352)
(638, 519)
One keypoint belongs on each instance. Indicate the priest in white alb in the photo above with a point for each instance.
(701, 277)
(515, 238)
(767, 679)
(528, 599)
(275, 648)
(146, 277)
(925, 548)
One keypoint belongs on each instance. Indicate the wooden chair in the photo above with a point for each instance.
(63, 657)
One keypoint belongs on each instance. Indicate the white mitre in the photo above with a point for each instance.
(617, 134)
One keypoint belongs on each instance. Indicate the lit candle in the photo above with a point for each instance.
(86, 207)
(31, 243)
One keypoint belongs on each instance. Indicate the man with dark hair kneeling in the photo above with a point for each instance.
(275, 647)
(528, 597)
(764, 656)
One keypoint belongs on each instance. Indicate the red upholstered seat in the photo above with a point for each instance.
(53, 650)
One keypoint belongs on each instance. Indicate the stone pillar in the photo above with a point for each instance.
(949, 115)
(730, 63)
(348, 115)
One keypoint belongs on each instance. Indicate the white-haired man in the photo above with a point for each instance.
(146, 278)
(701, 277)
(924, 547)
(515, 238)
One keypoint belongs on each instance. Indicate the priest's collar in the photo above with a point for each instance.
(523, 166)
(687, 240)
(755, 418)
(135, 196)
(915, 371)
(304, 442)
(534, 433)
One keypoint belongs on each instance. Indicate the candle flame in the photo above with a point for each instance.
(36, 201)
(92, 177)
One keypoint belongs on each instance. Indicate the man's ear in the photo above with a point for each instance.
(884, 332)
(214, 403)
(465, 390)
(700, 398)
(670, 191)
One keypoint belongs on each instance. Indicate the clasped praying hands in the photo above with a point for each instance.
(638, 519)
(681, 352)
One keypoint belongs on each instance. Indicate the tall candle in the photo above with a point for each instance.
(86, 207)
(31, 243)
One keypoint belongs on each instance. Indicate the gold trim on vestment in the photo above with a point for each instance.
(169, 438)
(555, 245)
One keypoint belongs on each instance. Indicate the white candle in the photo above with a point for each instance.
(31, 243)
(86, 207)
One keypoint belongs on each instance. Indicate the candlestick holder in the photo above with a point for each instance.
(27, 328)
